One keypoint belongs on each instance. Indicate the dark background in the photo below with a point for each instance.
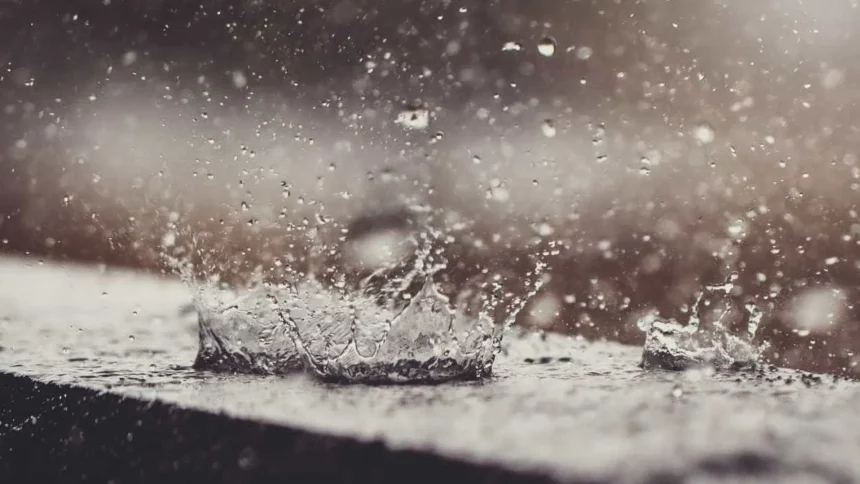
(248, 128)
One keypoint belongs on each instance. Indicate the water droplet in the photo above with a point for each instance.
(129, 58)
(544, 229)
(754, 319)
(832, 78)
(414, 118)
(704, 133)
(500, 194)
(645, 166)
(584, 52)
(131, 337)
(548, 128)
(512, 46)
(737, 228)
(239, 79)
(817, 309)
(544, 310)
(168, 239)
(546, 46)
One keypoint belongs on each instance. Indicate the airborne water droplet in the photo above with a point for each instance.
(548, 128)
(737, 228)
(704, 133)
(414, 118)
(584, 52)
(645, 166)
(546, 47)
(512, 46)
(239, 79)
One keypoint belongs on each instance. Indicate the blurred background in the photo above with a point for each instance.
(656, 146)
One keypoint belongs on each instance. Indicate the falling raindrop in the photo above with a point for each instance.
(737, 228)
(546, 46)
(817, 309)
(584, 52)
(548, 128)
(512, 46)
(239, 79)
(414, 118)
(704, 133)
(645, 166)
(129, 58)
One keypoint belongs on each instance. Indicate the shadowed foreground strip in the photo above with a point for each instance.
(96, 385)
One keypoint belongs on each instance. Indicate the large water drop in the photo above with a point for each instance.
(546, 47)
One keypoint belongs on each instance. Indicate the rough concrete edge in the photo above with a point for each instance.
(53, 432)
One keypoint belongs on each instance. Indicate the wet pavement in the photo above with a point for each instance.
(96, 367)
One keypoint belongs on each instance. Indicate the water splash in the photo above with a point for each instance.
(230, 335)
(383, 331)
(670, 345)
(428, 340)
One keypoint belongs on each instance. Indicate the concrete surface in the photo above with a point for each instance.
(96, 385)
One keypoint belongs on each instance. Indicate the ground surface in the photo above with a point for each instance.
(96, 383)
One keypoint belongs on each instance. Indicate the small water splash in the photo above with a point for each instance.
(670, 345)
(395, 326)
